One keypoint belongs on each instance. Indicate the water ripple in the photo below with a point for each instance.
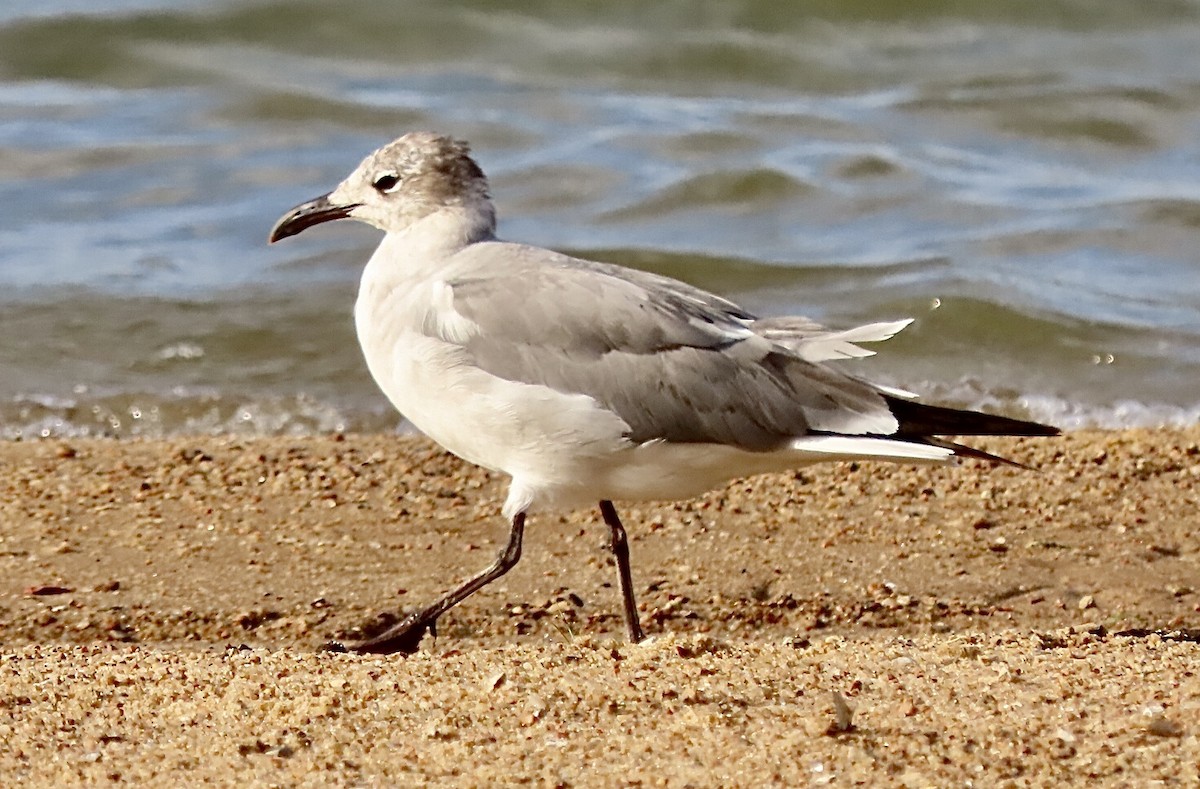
(1024, 178)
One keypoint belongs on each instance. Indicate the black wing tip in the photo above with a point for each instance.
(921, 420)
(1033, 429)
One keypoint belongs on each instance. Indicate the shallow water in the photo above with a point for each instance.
(1024, 180)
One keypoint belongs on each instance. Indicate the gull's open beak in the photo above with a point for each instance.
(305, 215)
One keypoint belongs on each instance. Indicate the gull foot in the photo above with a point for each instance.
(402, 638)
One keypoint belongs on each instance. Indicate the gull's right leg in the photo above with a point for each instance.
(620, 549)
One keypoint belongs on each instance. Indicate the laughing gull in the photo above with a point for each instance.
(587, 382)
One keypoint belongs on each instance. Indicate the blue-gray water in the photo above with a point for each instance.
(1022, 177)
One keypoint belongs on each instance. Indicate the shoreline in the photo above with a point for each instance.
(137, 569)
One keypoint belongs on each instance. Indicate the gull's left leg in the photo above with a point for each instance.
(405, 636)
(620, 549)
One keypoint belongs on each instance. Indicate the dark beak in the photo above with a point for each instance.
(305, 215)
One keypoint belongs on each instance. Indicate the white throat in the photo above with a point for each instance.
(420, 250)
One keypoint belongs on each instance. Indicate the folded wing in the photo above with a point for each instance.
(674, 362)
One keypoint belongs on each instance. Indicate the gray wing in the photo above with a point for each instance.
(673, 361)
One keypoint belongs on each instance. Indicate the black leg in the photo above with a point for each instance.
(620, 549)
(406, 635)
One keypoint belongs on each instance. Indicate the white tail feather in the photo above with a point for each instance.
(896, 391)
(867, 448)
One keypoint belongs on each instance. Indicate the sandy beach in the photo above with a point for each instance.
(164, 606)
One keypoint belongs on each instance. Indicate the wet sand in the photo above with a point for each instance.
(164, 604)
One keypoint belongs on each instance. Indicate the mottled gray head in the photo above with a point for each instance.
(416, 176)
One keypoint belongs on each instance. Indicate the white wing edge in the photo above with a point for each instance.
(826, 346)
(875, 332)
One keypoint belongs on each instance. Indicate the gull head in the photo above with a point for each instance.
(417, 176)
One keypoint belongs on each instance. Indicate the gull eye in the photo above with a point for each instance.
(386, 182)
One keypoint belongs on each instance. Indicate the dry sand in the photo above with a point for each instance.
(164, 603)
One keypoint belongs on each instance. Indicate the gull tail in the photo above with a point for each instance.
(964, 451)
(920, 436)
(922, 424)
